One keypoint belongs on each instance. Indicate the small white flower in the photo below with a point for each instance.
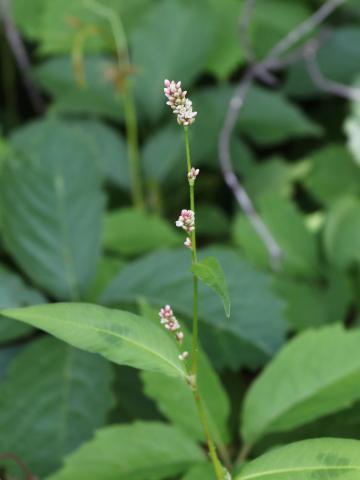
(183, 356)
(180, 337)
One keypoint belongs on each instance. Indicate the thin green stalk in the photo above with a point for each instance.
(219, 471)
(195, 336)
(122, 51)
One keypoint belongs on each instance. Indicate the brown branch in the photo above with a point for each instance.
(20, 54)
(261, 70)
(323, 83)
(26, 471)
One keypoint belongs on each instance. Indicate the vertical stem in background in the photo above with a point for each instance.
(219, 471)
(133, 145)
(123, 57)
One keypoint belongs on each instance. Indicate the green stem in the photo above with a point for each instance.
(122, 51)
(133, 146)
(219, 472)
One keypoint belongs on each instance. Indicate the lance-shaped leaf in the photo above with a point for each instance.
(314, 375)
(321, 458)
(141, 451)
(119, 336)
(210, 272)
(256, 329)
(51, 400)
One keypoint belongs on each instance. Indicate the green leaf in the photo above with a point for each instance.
(307, 460)
(272, 20)
(130, 232)
(15, 293)
(226, 53)
(210, 272)
(176, 401)
(298, 245)
(315, 374)
(338, 60)
(109, 150)
(342, 232)
(256, 329)
(96, 97)
(273, 176)
(51, 207)
(141, 451)
(52, 399)
(332, 174)
(159, 54)
(119, 336)
(163, 152)
(200, 472)
(317, 303)
(269, 118)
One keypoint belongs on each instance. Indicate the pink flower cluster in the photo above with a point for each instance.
(179, 103)
(192, 175)
(170, 322)
(186, 220)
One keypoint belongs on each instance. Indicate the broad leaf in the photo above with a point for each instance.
(318, 303)
(159, 54)
(109, 150)
(269, 118)
(141, 451)
(200, 472)
(338, 60)
(163, 153)
(298, 245)
(210, 272)
(52, 399)
(332, 173)
(119, 336)
(51, 207)
(96, 97)
(15, 293)
(307, 460)
(342, 232)
(130, 232)
(256, 329)
(314, 375)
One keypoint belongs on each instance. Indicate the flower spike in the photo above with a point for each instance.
(179, 103)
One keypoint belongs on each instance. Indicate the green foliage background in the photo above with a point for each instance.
(286, 366)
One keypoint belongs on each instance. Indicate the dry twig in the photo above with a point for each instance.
(262, 70)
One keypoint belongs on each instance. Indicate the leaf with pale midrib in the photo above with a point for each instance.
(51, 400)
(316, 374)
(256, 329)
(321, 458)
(140, 451)
(119, 336)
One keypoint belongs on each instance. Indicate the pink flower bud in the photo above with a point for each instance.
(188, 243)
